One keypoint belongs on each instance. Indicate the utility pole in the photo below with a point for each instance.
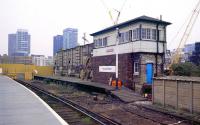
(116, 51)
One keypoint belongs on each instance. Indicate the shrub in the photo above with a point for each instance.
(186, 69)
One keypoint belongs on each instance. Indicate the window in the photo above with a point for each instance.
(101, 42)
(148, 33)
(130, 35)
(136, 68)
(144, 33)
(153, 37)
(122, 37)
(161, 35)
(138, 33)
(105, 41)
(95, 43)
(134, 34)
(126, 36)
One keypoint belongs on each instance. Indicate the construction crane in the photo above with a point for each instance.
(118, 11)
(187, 32)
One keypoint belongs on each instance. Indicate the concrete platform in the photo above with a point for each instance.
(124, 94)
(20, 106)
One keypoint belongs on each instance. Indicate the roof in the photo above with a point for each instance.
(135, 20)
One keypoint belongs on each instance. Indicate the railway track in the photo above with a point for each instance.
(123, 114)
(71, 112)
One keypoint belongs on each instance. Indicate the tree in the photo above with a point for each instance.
(186, 69)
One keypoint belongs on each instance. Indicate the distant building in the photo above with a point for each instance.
(41, 60)
(195, 57)
(141, 49)
(38, 60)
(5, 59)
(71, 61)
(19, 43)
(189, 48)
(11, 44)
(49, 61)
(57, 44)
(70, 38)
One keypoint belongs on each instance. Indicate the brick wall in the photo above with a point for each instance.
(125, 68)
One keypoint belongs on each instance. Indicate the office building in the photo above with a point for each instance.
(41, 60)
(57, 44)
(195, 57)
(19, 43)
(70, 38)
(189, 48)
(11, 44)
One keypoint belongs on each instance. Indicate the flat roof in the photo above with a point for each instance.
(135, 20)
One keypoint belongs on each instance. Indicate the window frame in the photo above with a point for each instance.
(105, 41)
(122, 37)
(153, 34)
(136, 68)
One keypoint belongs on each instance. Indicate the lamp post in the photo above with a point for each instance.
(116, 51)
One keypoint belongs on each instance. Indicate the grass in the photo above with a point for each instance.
(87, 120)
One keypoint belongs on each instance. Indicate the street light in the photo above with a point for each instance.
(116, 51)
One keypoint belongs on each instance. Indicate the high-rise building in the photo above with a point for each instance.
(195, 57)
(11, 44)
(189, 48)
(57, 43)
(19, 43)
(70, 38)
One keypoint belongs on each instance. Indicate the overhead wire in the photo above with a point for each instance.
(110, 14)
(187, 32)
(179, 31)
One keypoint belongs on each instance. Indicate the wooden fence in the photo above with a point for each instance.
(181, 93)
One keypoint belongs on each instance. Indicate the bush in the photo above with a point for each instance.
(146, 89)
(186, 69)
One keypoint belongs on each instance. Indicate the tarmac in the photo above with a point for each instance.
(20, 106)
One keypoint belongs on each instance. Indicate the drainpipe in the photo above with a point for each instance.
(165, 42)
(140, 34)
(157, 40)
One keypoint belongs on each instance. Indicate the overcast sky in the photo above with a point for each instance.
(47, 18)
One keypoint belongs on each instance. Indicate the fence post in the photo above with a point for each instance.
(153, 91)
(176, 94)
(191, 96)
(163, 92)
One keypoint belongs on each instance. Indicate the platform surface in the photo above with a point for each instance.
(124, 94)
(20, 106)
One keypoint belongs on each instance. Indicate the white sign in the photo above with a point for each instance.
(106, 68)
(0, 70)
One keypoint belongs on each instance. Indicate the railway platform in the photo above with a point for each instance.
(20, 106)
(124, 94)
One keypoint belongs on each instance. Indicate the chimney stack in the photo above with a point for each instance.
(161, 17)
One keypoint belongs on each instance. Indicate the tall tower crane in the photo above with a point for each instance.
(187, 32)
